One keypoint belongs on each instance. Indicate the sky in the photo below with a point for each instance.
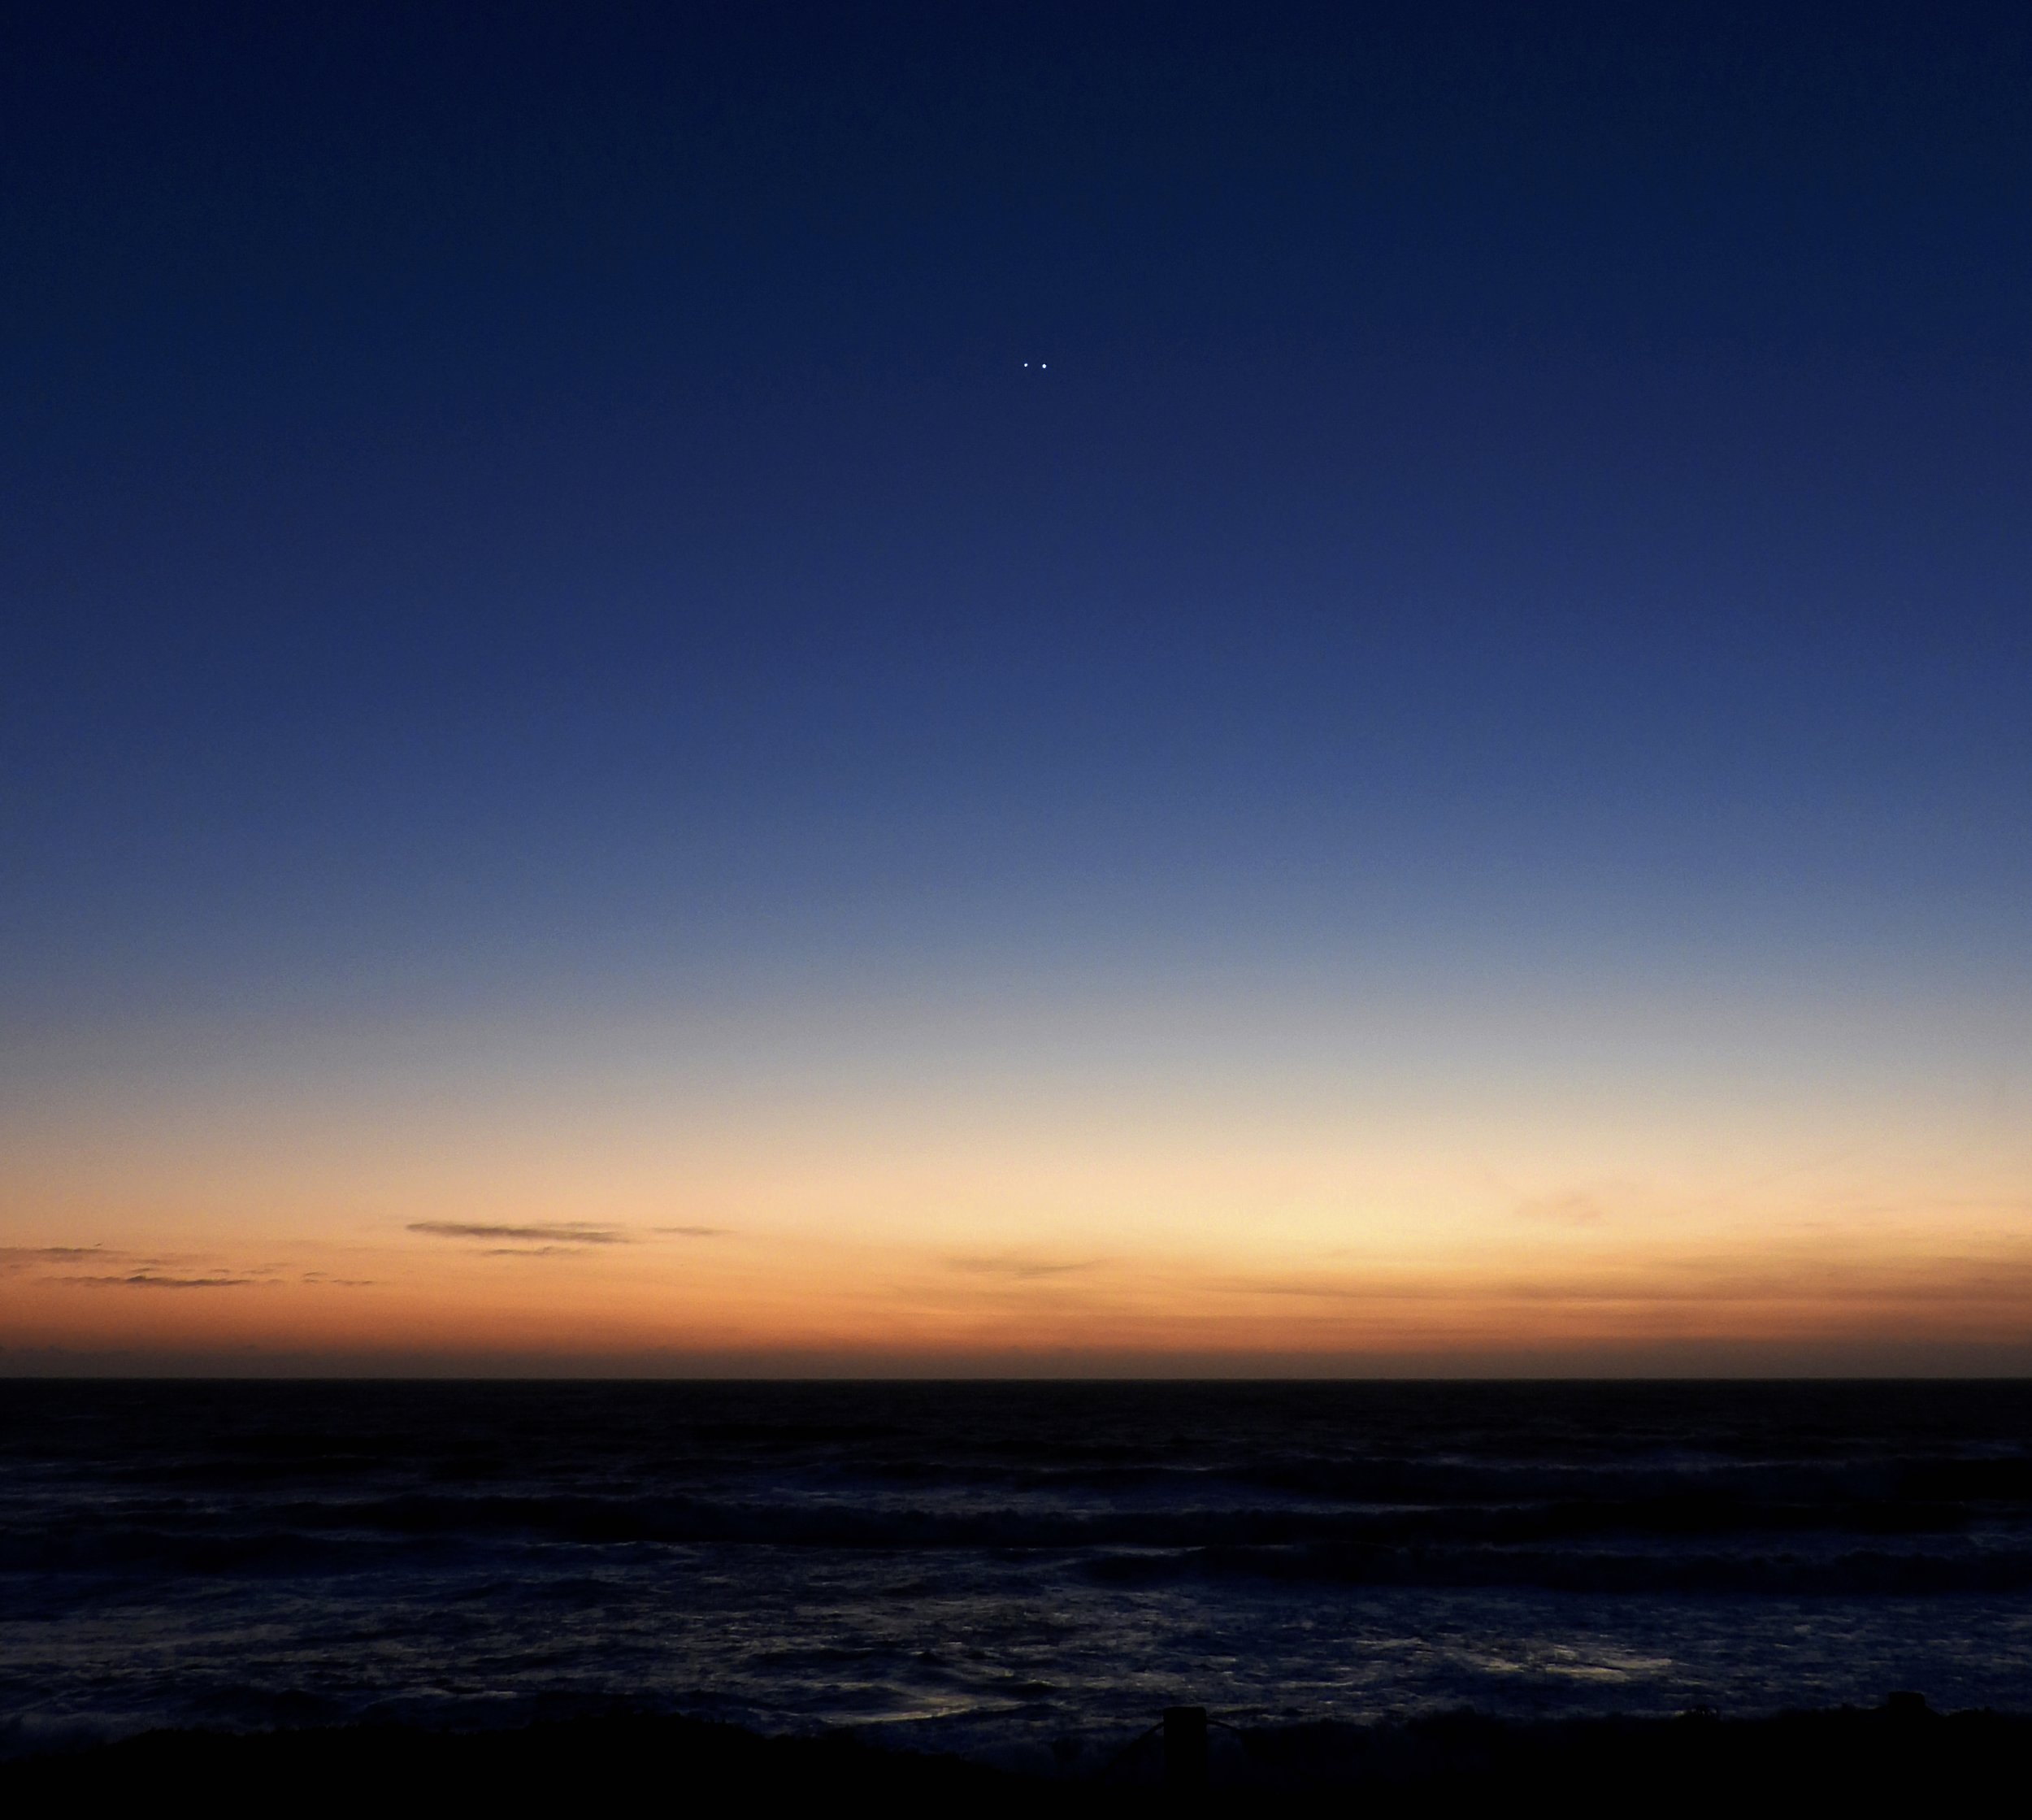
(1037, 689)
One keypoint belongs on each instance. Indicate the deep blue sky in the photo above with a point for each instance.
(500, 493)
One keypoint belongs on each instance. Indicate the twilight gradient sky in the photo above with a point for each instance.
(595, 774)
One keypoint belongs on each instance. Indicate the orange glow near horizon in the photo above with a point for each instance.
(1218, 1196)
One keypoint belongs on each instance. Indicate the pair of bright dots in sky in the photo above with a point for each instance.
(1042, 366)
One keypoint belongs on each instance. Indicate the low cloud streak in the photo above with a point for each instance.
(1021, 1268)
(22, 1257)
(562, 1235)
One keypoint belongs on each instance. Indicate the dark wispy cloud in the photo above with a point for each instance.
(564, 1235)
(691, 1232)
(1022, 1266)
(22, 1257)
(124, 1269)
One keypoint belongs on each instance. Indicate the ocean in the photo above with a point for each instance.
(1020, 1572)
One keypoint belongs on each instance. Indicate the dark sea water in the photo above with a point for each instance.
(1002, 1569)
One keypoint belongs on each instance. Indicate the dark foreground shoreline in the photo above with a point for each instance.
(1899, 1755)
